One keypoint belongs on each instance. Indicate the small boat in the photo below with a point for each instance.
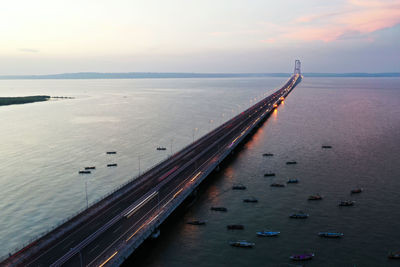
(197, 222)
(161, 148)
(242, 244)
(302, 257)
(84, 172)
(235, 227)
(90, 168)
(238, 187)
(356, 191)
(330, 234)
(269, 174)
(277, 185)
(219, 209)
(315, 197)
(346, 203)
(111, 152)
(292, 181)
(326, 146)
(268, 154)
(112, 165)
(250, 200)
(300, 215)
(268, 233)
(291, 162)
(394, 255)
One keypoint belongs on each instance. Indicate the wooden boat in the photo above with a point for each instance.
(291, 162)
(219, 209)
(84, 172)
(269, 174)
(242, 244)
(326, 146)
(315, 197)
(111, 152)
(112, 165)
(268, 233)
(330, 234)
(346, 203)
(300, 215)
(161, 148)
(235, 227)
(90, 168)
(292, 181)
(238, 187)
(268, 154)
(302, 257)
(394, 255)
(356, 191)
(277, 185)
(250, 200)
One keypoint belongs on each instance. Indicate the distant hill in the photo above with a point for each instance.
(152, 75)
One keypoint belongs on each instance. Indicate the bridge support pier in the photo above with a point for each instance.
(155, 234)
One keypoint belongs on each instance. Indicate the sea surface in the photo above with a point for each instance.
(45, 144)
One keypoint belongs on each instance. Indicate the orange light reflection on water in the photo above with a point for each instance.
(229, 173)
(255, 139)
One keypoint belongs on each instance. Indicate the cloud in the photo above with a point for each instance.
(29, 50)
(355, 20)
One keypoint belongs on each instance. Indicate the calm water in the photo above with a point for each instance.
(45, 144)
(360, 118)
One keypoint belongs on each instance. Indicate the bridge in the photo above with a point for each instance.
(109, 231)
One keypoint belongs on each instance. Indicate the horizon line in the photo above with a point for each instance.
(138, 75)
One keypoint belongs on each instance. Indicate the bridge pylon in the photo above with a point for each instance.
(297, 66)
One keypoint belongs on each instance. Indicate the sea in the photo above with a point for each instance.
(45, 144)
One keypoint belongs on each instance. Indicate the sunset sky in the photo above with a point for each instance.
(50, 36)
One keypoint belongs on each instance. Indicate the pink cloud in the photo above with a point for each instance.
(357, 18)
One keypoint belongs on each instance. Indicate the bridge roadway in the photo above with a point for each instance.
(94, 240)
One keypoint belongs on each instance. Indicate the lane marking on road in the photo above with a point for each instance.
(112, 256)
(141, 204)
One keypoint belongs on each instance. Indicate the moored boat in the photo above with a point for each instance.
(112, 165)
(90, 168)
(250, 200)
(299, 215)
(268, 233)
(302, 257)
(330, 234)
(356, 191)
(315, 197)
(235, 227)
(242, 244)
(238, 187)
(346, 203)
(394, 255)
(219, 209)
(268, 154)
(277, 185)
(197, 222)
